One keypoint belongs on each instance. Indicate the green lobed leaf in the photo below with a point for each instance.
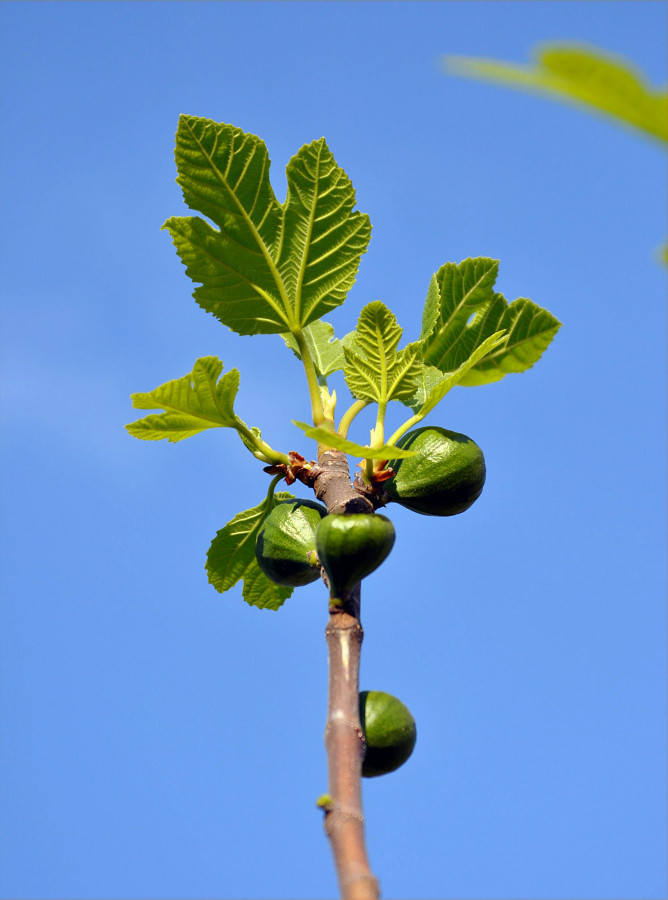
(326, 350)
(231, 556)
(434, 385)
(375, 370)
(470, 311)
(582, 75)
(192, 404)
(336, 442)
(265, 268)
(259, 590)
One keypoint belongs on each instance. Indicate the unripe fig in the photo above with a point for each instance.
(350, 547)
(390, 732)
(285, 545)
(444, 478)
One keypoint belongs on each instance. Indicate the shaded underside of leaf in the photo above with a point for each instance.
(231, 556)
(529, 330)
(261, 591)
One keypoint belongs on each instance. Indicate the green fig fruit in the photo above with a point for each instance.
(285, 545)
(444, 478)
(350, 547)
(390, 732)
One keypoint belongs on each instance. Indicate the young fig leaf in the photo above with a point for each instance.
(265, 268)
(326, 350)
(433, 385)
(470, 312)
(231, 556)
(193, 403)
(375, 370)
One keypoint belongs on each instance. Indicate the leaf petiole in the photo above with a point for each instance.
(408, 424)
(262, 450)
(311, 377)
(349, 415)
(270, 499)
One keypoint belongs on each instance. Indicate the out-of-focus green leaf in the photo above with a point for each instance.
(265, 268)
(583, 75)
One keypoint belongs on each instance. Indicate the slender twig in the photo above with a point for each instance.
(344, 738)
(345, 745)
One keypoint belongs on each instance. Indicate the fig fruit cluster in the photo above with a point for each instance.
(298, 537)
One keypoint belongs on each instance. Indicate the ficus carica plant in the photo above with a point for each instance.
(266, 268)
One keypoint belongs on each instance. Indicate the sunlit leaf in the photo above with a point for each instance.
(193, 403)
(470, 311)
(434, 385)
(375, 369)
(265, 267)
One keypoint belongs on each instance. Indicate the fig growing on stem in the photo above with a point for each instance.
(390, 732)
(350, 547)
(444, 478)
(285, 545)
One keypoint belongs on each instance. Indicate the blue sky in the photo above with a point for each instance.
(162, 740)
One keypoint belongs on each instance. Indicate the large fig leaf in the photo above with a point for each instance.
(231, 556)
(266, 267)
(193, 403)
(469, 311)
(375, 369)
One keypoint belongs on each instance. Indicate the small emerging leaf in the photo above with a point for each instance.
(193, 403)
(336, 442)
(375, 370)
(326, 350)
(231, 556)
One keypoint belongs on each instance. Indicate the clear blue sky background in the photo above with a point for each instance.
(161, 740)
